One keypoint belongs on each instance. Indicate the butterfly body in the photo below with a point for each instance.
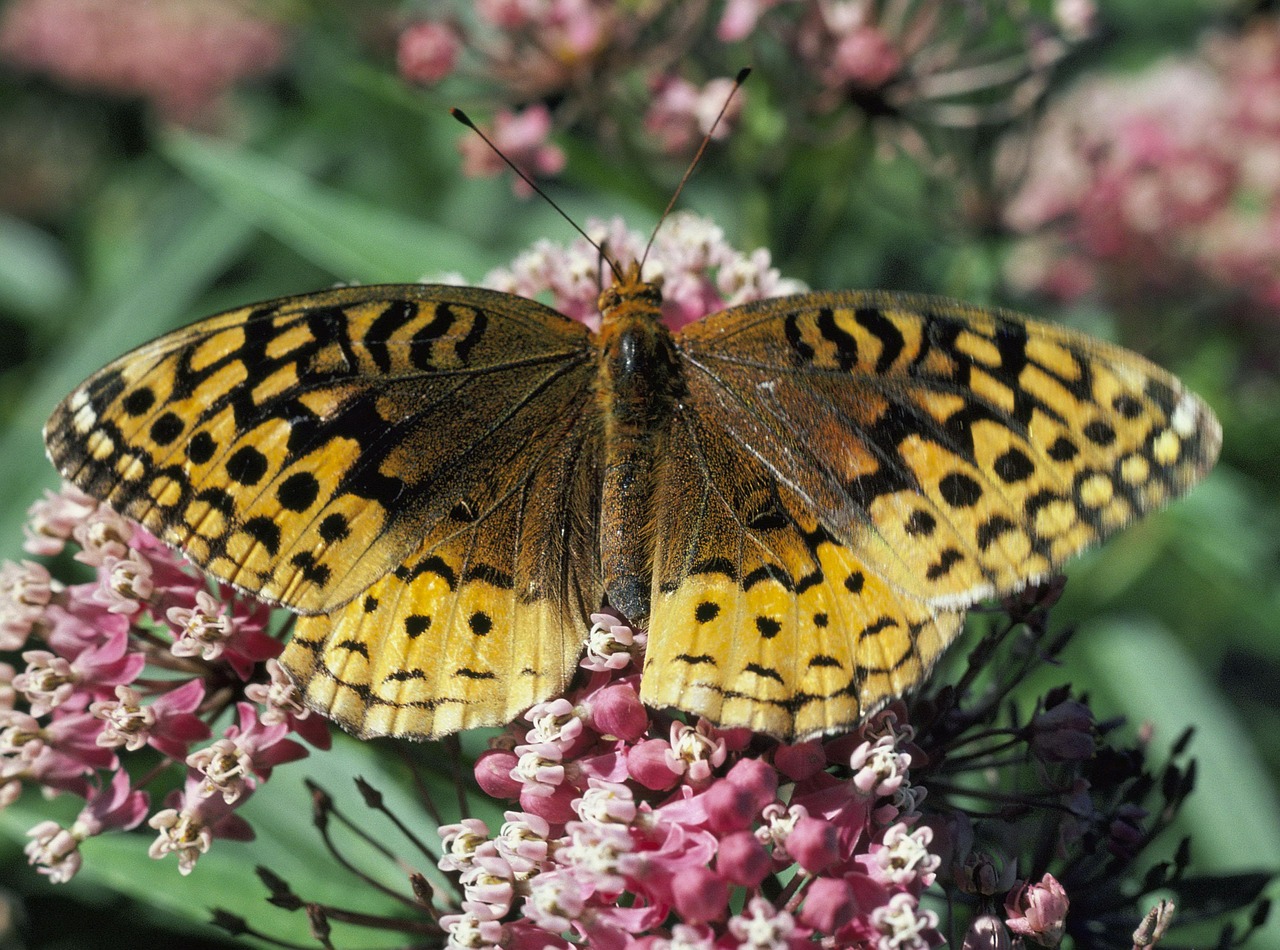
(799, 497)
(638, 385)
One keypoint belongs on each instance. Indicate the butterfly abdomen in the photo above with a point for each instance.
(637, 387)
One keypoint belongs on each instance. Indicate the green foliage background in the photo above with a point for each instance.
(336, 171)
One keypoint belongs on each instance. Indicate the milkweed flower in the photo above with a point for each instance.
(122, 664)
(428, 51)
(682, 114)
(1038, 911)
(933, 63)
(523, 138)
(180, 55)
(1163, 182)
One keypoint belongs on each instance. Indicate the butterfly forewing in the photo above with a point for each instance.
(302, 448)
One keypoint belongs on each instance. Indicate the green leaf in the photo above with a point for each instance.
(1233, 816)
(351, 238)
(35, 275)
(287, 843)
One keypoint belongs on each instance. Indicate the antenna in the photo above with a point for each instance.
(688, 173)
(466, 120)
(604, 256)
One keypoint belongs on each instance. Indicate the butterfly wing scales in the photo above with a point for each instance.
(939, 454)
(760, 617)
(483, 620)
(322, 449)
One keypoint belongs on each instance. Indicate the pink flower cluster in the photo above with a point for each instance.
(844, 44)
(1159, 182)
(700, 271)
(713, 843)
(893, 58)
(124, 663)
(181, 55)
(535, 48)
(522, 138)
(569, 52)
(681, 113)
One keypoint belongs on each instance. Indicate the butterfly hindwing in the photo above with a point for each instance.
(484, 619)
(760, 616)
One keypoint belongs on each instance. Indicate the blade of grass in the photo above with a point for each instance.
(350, 237)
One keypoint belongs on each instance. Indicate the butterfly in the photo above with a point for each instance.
(798, 497)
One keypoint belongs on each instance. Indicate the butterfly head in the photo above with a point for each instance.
(629, 293)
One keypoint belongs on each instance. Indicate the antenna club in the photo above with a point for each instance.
(463, 118)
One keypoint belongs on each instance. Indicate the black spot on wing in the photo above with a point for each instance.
(823, 660)
(312, 571)
(880, 623)
(716, 565)
(200, 449)
(1014, 466)
(764, 672)
(920, 524)
(991, 529)
(959, 490)
(942, 567)
(1063, 450)
(706, 612)
(400, 676)
(767, 572)
(298, 492)
(265, 531)
(247, 465)
(698, 660)
(490, 575)
(166, 428)
(432, 565)
(768, 627)
(138, 401)
(1099, 433)
(334, 527)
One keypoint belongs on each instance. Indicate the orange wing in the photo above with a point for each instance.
(849, 472)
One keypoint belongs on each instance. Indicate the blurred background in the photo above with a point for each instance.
(1112, 165)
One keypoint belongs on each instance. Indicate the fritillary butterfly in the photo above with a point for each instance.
(799, 497)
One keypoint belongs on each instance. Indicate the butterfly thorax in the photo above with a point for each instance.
(637, 387)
